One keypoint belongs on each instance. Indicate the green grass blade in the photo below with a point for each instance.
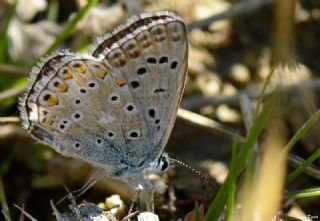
(4, 32)
(302, 130)
(312, 192)
(292, 176)
(5, 209)
(218, 203)
(197, 211)
(263, 92)
(253, 133)
(232, 183)
(70, 26)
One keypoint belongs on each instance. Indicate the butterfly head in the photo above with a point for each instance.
(163, 163)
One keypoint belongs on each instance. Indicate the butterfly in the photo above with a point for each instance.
(115, 106)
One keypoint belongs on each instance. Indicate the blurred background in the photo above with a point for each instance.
(234, 46)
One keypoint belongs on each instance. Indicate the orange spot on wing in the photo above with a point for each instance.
(48, 121)
(67, 74)
(102, 73)
(79, 67)
(62, 88)
(120, 82)
(53, 100)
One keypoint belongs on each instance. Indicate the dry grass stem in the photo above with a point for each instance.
(209, 124)
(12, 92)
(5, 120)
(237, 9)
(13, 71)
(253, 93)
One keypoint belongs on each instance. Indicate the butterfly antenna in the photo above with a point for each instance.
(196, 173)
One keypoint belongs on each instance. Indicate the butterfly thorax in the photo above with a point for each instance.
(161, 164)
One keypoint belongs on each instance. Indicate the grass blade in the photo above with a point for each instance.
(197, 213)
(4, 32)
(232, 183)
(293, 175)
(5, 209)
(70, 26)
(302, 130)
(218, 203)
(312, 192)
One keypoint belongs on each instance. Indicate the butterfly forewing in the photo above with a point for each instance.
(153, 60)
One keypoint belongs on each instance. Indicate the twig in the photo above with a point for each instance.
(287, 217)
(252, 93)
(9, 120)
(12, 92)
(25, 213)
(237, 9)
(6, 69)
(209, 124)
(22, 214)
(11, 131)
(131, 215)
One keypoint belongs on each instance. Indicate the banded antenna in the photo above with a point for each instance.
(196, 173)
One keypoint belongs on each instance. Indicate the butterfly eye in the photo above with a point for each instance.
(165, 165)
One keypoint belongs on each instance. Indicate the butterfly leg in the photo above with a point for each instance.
(145, 192)
(94, 177)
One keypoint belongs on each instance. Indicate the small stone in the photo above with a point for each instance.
(240, 74)
(226, 114)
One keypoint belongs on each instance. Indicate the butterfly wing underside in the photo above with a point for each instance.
(151, 53)
(116, 107)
